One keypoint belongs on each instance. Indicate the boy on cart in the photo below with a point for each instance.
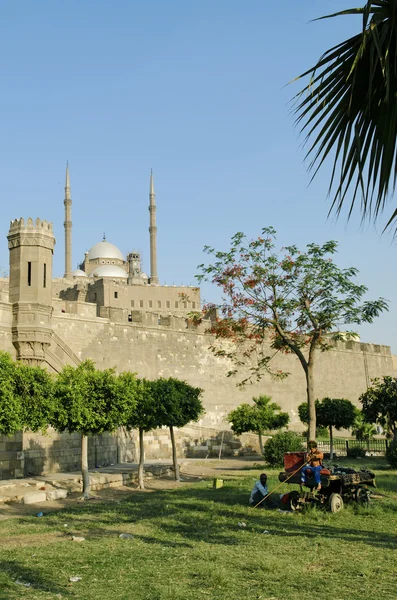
(315, 458)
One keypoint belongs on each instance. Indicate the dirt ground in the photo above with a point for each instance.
(190, 471)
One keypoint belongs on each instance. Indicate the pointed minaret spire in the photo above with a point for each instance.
(67, 183)
(153, 233)
(68, 226)
(151, 191)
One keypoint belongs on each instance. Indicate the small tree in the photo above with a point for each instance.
(142, 413)
(88, 402)
(293, 302)
(331, 412)
(264, 415)
(380, 404)
(339, 413)
(34, 390)
(178, 404)
(11, 418)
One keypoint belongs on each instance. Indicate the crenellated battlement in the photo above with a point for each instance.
(39, 225)
(37, 233)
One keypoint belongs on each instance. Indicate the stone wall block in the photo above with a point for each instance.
(33, 497)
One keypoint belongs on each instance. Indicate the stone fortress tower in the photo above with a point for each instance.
(31, 246)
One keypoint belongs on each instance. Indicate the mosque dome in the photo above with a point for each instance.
(79, 273)
(105, 250)
(109, 271)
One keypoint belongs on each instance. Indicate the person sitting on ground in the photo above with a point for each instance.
(315, 458)
(259, 491)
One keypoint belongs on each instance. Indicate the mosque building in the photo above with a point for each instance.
(112, 280)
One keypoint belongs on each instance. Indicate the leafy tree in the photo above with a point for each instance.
(279, 444)
(264, 415)
(363, 431)
(142, 413)
(380, 404)
(331, 412)
(296, 302)
(33, 387)
(11, 418)
(303, 412)
(89, 402)
(26, 398)
(339, 413)
(178, 404)
(348, 110)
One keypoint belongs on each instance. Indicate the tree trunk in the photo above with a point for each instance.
(311, 402)
(84, 467)
(260, 442)
(221, 446)
(174, 457)
(141, 484)
(331, 443)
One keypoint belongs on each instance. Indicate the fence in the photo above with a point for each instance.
(341, 447)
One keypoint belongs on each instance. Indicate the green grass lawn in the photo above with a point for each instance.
(187, 545)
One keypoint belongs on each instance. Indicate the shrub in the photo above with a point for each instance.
(356, 452)
(282, 442)
(391, 454)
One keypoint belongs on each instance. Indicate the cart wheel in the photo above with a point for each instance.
(294, 500)
(335, 503)
(362, 496)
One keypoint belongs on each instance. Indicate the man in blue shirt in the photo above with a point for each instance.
(259, 491)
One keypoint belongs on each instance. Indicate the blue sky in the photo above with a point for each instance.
(195, 90)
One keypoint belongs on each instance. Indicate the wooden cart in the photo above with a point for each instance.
(338, 485)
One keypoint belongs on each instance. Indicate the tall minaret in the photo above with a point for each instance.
(153, 233)
(68, 227)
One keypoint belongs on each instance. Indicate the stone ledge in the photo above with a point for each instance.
(56, 486)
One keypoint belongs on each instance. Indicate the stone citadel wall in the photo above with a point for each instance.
(158, 346)
(155, 345)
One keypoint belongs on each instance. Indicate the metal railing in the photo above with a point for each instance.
(342, 447)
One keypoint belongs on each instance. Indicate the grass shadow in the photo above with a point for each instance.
(195, 513)
(28, 578)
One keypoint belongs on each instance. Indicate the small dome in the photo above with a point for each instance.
(79, 273)
(144, 276)
(109, 271)
(105, 250)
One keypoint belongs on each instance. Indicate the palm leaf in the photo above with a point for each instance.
(348, 112)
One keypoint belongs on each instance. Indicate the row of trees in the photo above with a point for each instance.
(88, 401)
(379, 405)
(265, 415)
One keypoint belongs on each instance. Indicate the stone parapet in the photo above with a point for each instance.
(38, 233)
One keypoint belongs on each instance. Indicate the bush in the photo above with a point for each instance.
(356, 452)
(391, 454)
(282, 442)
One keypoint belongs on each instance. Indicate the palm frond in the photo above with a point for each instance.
(348, 112)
